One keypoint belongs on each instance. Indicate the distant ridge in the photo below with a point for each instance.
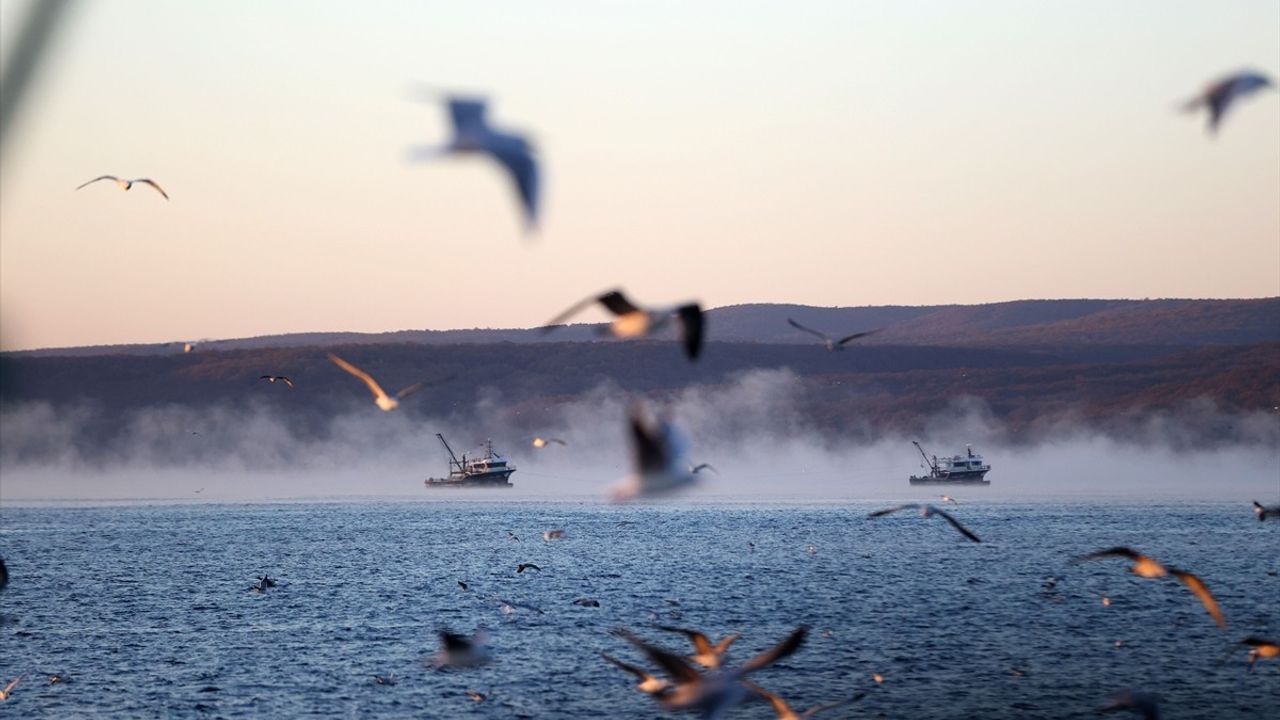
(1021, 324)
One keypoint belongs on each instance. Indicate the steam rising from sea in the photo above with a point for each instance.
(751, 429)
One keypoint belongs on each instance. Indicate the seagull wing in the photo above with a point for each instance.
(779, 705)
(1197, 586)
(409, 390)
(1123, 552)
(455, 643)
(832, 706)
(855, 336)
(152, 183)
(700, 641)
(640, 673)
(617, 303)
(886, 511)
(811, 331)
(609, 299)
(954, 523)
(514, 154)
(101, 177)
(673, 664)
(777, 652)
(368, 380)
(702, 466)
(467, 114)
(651, 451)
(692, 327)
(287, 381)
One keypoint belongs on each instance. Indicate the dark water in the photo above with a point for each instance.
(147, 607)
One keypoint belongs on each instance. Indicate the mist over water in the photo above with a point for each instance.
(752, 430)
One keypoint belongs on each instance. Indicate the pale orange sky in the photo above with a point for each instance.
(841, 153)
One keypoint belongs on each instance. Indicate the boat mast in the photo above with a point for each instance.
(450, 451)
(933, 464)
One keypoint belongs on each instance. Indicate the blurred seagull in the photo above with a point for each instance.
(715, 693)
(649, 683)
(1263, 512)
(461, 650)
(385, 679)
(473, 134)
(926, 511)
(695, 469)
(634, 321)
(658, 458)
(549, 535)
(1220, 95)
(527, 566)
(587, 602)
(477, 696)
(832, 345)
(1260, 649)
(4, 574)
(1141, 703)
(543, 442)
(273, 379)
(8, 689)
(385, 402)
(708, 656)
(127, 184)
(948, 498)
(785, 712)
(1146, 567)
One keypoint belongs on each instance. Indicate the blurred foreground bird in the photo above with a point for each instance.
(926, 511)
(635, 321)
(460, 651)
(473, 134)
(784, 710)
(659, 463)
(273, 379)
(648, 682)
(126, 184)
(717, 692)
(543, 442)
(1260, 649)
(1222, 94)
(1136, 701)
(385, 402)
(832, 344)
(1146, 567)
(707, 655)
(1263, 512)
(8, 689)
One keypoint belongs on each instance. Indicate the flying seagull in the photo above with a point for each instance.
(1146, 567)
(832, 344)
(273, 379)
(473, 134)
(785, 712)
(717, 692)
(1260, 649)
(708, 656)
(948, 498)
(695, 469)
(658, 458)
(385, 402)
(543, 442)
(926, 511)
(1221, 94)
(126, 184)
(648, 682)
(527, 566)
(1263, 512)
(635, 321)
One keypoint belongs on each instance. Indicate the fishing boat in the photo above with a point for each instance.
(967, 469)
(489, 471)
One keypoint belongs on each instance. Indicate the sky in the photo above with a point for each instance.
(823, 153)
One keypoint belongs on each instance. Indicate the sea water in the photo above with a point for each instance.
(147, 607)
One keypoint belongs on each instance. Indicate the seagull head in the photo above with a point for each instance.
(386, 404)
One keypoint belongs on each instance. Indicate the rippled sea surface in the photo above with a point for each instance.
(147, 607)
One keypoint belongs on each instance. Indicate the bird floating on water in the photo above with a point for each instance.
(126, 184)
(549, 535)
(635, 321)
(832, 344)
(659, 463)
(1146, 567)
(273, 379)
(1222, 94)
(707, 655)
(1263, 512)
(473, 134)
(926, 511)
(385, 402)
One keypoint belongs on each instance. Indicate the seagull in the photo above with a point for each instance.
(1220, 95)
(477, 696)
(1141, 703)
(512, 536)
(57, 678)
(1146, 567)
(708, 656)
(1260, 649)
(948, 498)
(188, 347)
(649, 683)
(126, 184)
(587, 602)
(385, 402)
(8, 689)
(274, 378)
(695, 469)
(832, 344)
(527, 566)
(543, 442)
(385, 679)
(785, 712)
(634, 321)
(549, 535)
(461, 650)
(1263, 512)
(926, 511)
(462, 586)
(473, 134)
(658, 453)
(715, 693)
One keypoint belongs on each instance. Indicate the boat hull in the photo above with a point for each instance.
(481, 480)
(978, 478)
